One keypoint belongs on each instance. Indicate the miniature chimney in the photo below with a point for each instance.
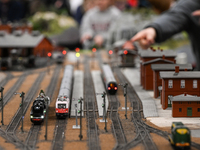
(185, 69)
(158, 47)
(161, 50)
(151, 48)
(176, 69)
(163, 57)
(185, 93)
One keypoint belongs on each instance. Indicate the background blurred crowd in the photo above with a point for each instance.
(15, 10)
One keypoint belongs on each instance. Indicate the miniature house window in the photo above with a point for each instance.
(169, 100)
(170, 84)
(194, 83)
(182, 83)
(180, 109)
(198, 109)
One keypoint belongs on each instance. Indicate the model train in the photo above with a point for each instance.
(109, 79)
(38, 110)
(180, 137)
(64, 96)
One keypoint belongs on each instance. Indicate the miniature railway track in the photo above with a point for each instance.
(31, 140)
(11, 128)
(5, 81)
(13, 89)
(116, 124)
(59, 134)
(143, 134)
(89, 97)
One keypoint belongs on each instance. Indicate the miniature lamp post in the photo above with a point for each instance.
(104, 110)
(93, 55)
(21, 105)
(76, 126)
(80, 112)
(1, 90)
(46, 120)
(77, 55)
(125, 95)
(49, 55)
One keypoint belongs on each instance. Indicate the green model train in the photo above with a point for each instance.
(180, 135)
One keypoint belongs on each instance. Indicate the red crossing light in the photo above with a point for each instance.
(77, 49)
(110, 52)
(109, 88)
(125, 52)
(94, 49)
(64, 52)
(115, 88)
(49, 54)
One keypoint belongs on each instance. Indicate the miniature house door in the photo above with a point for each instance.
(169, 100)
(189, 111)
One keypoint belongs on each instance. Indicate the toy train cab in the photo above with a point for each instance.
(62, 107)
(109, 79)
(180, 135)
(38, 111)
(112, 87)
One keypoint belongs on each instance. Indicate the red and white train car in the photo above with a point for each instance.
(64, 96)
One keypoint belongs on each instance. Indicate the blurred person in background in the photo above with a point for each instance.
(181, 17)
(97, 22)
(11, 11)
(82, 9)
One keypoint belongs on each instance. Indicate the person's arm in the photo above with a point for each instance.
(86, 29)
(173, 21)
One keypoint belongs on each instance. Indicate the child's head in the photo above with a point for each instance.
(104, 4)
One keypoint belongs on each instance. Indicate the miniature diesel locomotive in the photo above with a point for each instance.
(64, 96)
(38, 110)
(109, 79)
(180, 135)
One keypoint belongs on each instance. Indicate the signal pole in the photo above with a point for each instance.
(80, 112)
(1, 90)
(21, 105)
(125, 95)
(103, 95)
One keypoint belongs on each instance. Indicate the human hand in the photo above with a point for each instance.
(196, 13)
(145, 37)
(85, 37)
(98, 39)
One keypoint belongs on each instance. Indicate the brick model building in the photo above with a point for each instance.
(10, 28)
(127, 57)
(157, 81)
(177, 83)
(29, 44)
(185, 105)
(147, 76)
(148, 55)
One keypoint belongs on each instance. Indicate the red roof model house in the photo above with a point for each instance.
(151, 54)
(157, 81)
(185, 106)
(176, 83)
